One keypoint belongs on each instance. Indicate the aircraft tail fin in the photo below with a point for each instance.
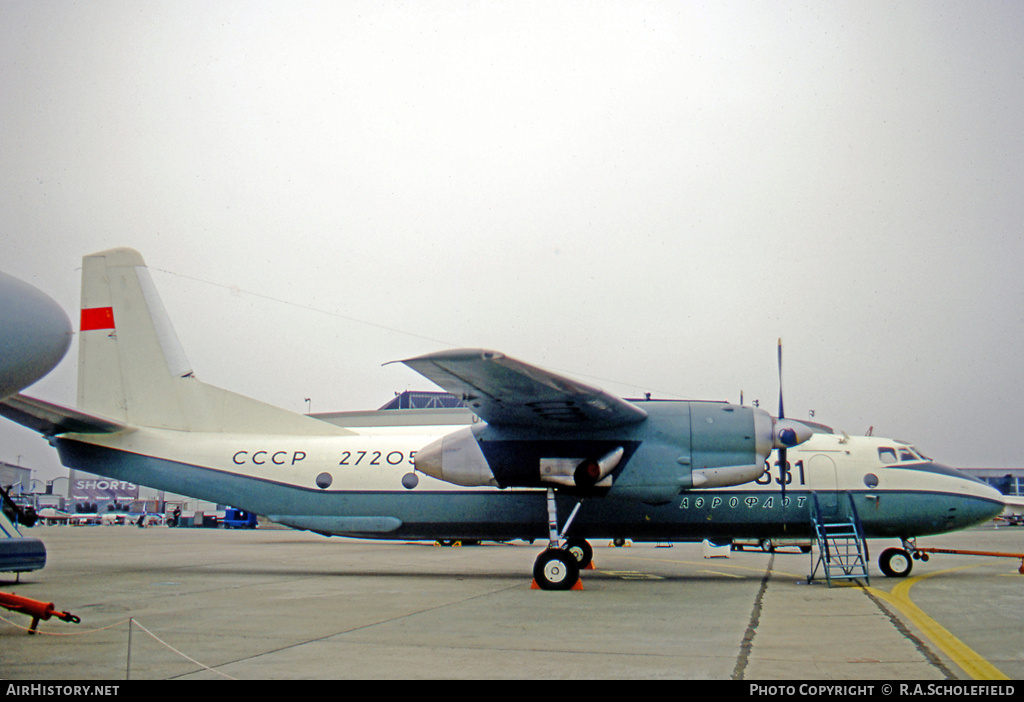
(132, 368)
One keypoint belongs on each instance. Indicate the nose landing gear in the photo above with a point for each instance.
(898, 562)
(895, 562)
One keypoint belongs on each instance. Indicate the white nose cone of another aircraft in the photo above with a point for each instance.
(34, 335)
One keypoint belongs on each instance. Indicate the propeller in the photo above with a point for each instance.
(783, 465)
(786, 433)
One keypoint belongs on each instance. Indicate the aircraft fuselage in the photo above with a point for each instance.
(365, 485)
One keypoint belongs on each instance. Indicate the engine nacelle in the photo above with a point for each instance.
(715, 448)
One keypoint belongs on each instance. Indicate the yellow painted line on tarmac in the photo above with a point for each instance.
(960, 653)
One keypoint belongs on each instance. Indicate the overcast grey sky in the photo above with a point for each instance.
(643, 195)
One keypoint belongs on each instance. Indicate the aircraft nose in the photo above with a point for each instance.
(34, 334)
(983, 502)
(996, 509)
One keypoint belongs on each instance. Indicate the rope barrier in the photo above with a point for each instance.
(131, 621)
(192, 660)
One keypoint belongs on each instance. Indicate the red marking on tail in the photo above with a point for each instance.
(97, 318)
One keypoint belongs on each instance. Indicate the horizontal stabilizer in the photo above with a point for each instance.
(50, 420)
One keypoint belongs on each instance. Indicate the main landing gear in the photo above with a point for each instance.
(558, 567)
(898, 562)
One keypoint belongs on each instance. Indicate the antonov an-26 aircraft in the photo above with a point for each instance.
(552, 458)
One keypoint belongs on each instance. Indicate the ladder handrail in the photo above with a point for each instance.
(859, 527)
(819, 521)
(846, 532)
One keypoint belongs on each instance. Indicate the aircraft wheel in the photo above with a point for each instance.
(895, 563)
(581, 550)
(556, 569)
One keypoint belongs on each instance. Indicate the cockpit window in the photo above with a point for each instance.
(887, 455)
(901, 454)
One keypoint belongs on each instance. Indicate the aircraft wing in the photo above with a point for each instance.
(502, 390)
(49, 419)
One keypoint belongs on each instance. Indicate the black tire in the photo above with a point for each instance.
(556, 569)
(895, 563)
(581, 550)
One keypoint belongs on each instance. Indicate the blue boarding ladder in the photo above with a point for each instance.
(842, 550)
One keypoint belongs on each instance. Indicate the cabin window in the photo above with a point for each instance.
(887, 455)
(871, 480)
